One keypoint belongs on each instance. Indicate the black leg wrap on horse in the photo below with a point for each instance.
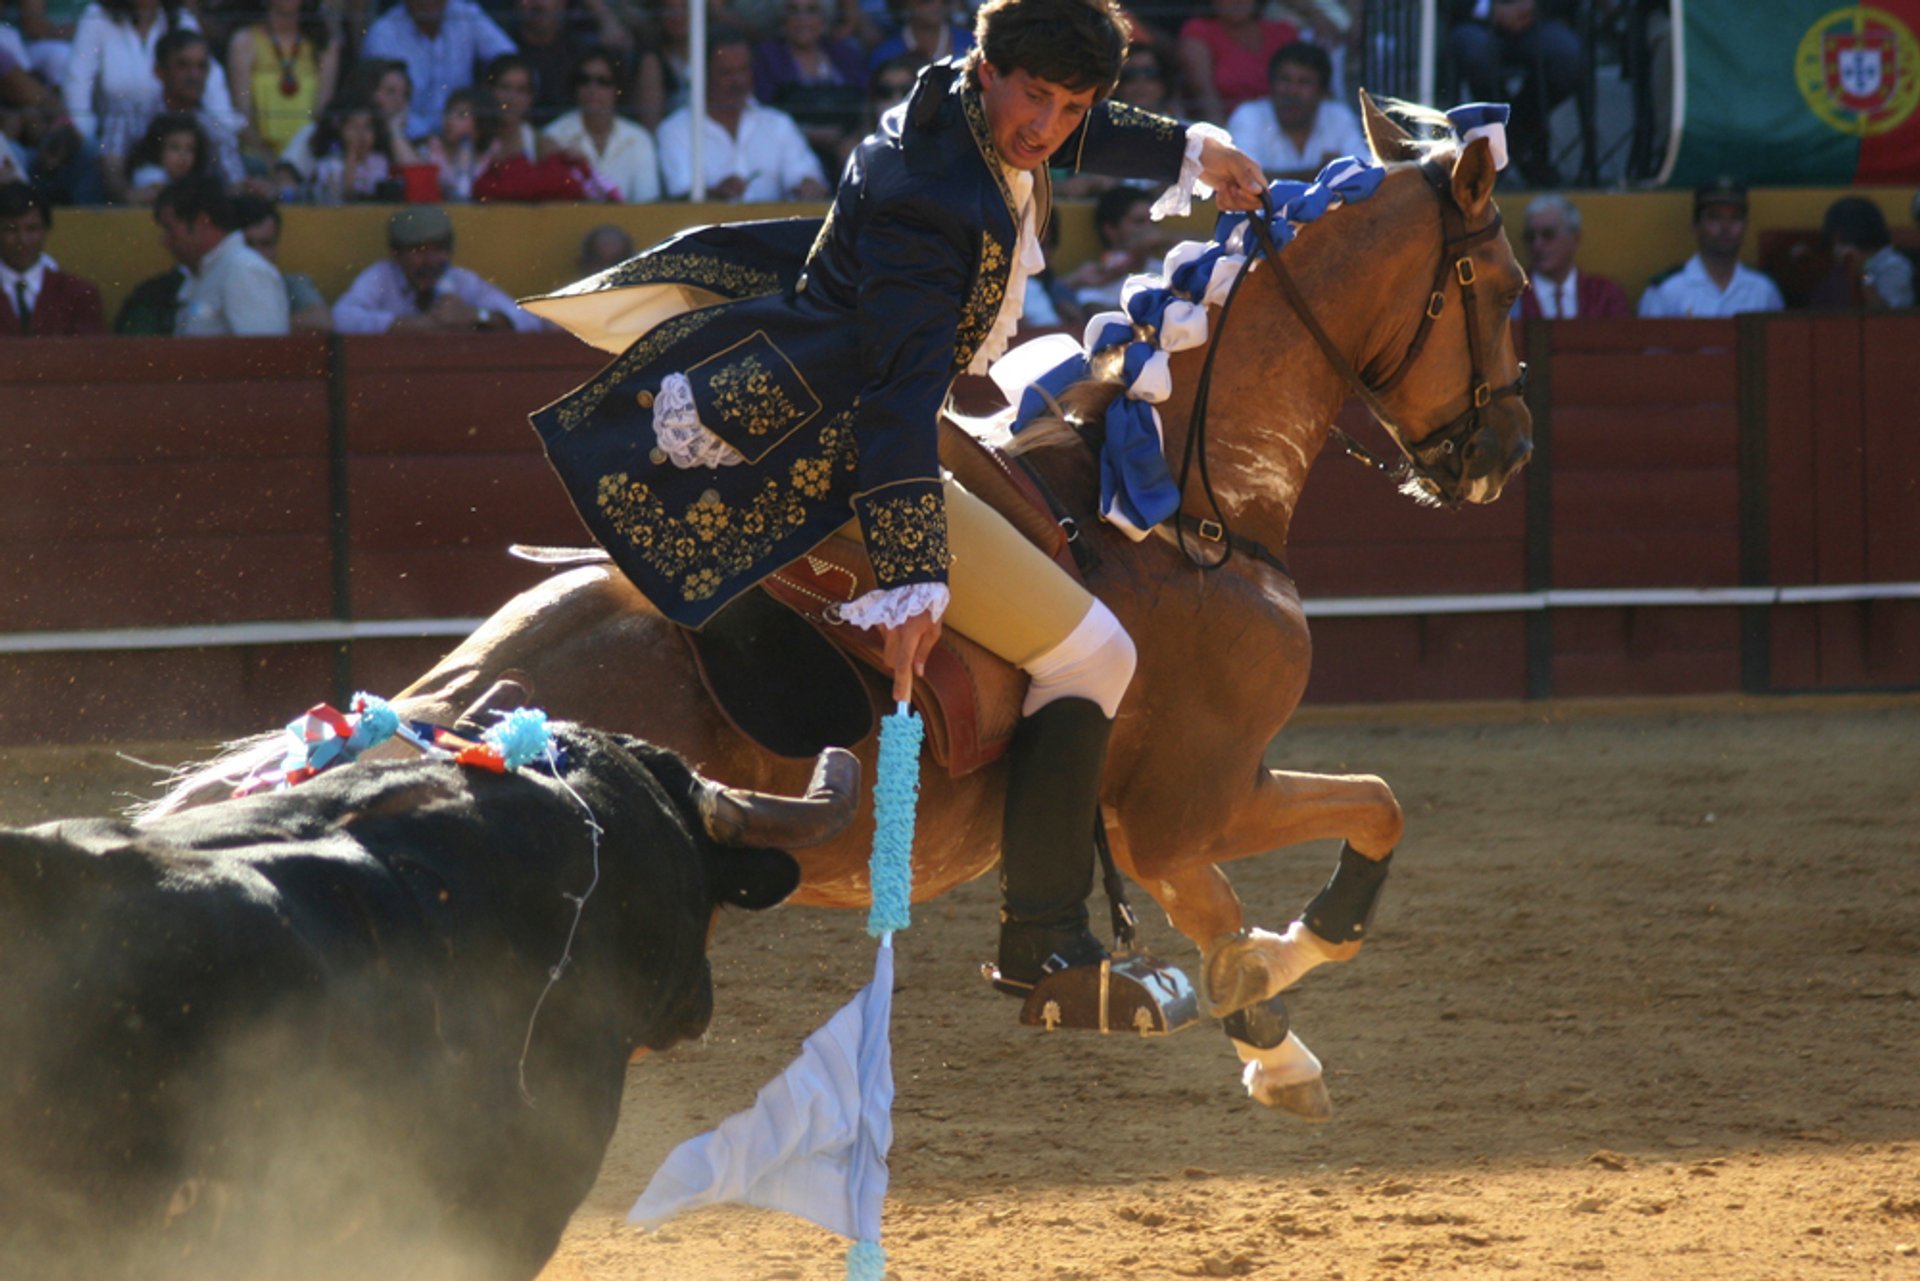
(1342, 911)
(1262, 1025)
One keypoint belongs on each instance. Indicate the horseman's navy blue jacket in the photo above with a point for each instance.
(821, 350)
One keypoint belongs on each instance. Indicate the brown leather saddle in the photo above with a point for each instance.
(775, 682)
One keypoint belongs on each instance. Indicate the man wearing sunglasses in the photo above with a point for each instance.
(810, 402)
(1556, 288)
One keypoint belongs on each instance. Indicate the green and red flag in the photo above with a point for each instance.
(1796, 92)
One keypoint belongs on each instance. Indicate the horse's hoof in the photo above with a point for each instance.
(1256, 964)
(1287, 1078)
(1307, 1100)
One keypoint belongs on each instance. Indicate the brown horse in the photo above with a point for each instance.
(1223, 654)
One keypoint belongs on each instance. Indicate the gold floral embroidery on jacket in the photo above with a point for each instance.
(707, 270)
(713, 540)
(983, 303)
(579, 406)
(1125, 115)
(753, 386)
(906, 536)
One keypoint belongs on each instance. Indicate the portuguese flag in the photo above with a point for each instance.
(1796, 92)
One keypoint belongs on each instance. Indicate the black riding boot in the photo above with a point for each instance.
(1047, 855)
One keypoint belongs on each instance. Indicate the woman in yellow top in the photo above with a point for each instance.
(281, 69)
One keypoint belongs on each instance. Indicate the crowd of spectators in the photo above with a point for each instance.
(333, 101)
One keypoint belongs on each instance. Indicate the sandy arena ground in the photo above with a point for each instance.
(1644, 1002)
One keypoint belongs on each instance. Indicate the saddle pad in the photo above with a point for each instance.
(777, 680)
(969, 698)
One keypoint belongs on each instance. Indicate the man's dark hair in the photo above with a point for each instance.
(1076, 44)
(175, 40)
(18, 197)
(722, 34)
(1114, 204)
(250, 207)
(1856, 221)
(197, 194)
(1302, 54)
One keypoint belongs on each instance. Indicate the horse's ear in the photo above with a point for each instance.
(1473, 178)
(1389, 141)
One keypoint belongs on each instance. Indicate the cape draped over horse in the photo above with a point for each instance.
(1224, 653)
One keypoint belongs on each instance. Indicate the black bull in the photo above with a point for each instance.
(315, 1034)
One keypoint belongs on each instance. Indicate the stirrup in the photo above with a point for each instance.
(1137, 993)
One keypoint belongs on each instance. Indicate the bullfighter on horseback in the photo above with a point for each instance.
(775, 403)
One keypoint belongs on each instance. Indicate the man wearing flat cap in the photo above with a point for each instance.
(1714, 282)
(417, 289)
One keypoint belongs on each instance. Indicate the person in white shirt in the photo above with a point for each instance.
(230, 289)
(619, 151)
(1296, 129)
(751, 152)
(111, 71)
(1714, 282)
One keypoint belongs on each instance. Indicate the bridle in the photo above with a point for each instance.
(1436, 463)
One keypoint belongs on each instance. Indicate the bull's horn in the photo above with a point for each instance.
(735, 816)
(513, 689)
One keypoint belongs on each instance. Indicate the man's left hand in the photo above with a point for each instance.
(1237, 182)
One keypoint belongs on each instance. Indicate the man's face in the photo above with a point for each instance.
(263, 238)
(1550, 244)
(423, 265)
(1296, 93)
(1134, 231)
(23, 240)
(1719, 229)
(1027, 117)
(188, 242)
(730, 77)
(542, 16)
(427, 14)
(183, 76)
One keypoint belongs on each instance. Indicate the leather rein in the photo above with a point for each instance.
(1427, 462)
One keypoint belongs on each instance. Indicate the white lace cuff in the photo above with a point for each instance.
(892, 606)
(678, 429)
(1177, 201)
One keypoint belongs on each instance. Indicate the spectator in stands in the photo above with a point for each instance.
(443, 43)
(1869, 271)
(1556, 288)
(661, 74)
(1145, 80)
(353, 156)
(48, 27)
(37, 299)
(552, 44)
(751, 152)
(1296, 128)
(230, 289)
(182, 64)
(259, 220)
(618, 151)
(455, 149)
(1130, 241)
(173, 147)
(1714, 282)
(383, 82)
(419, 290)
(1491, 38)
(504, 126)
(817, 79)
(111, 72)
(1224, 57)
(283, 69)
(928, 32)
(603, 247)
(887, 88)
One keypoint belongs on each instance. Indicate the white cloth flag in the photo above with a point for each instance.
(815, 1141)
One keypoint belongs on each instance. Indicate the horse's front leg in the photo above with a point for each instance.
(1247, 966)
(1278, 1068)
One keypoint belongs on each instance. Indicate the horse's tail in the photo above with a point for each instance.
(194, 785)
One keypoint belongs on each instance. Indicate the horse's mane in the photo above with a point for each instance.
(1086, 401)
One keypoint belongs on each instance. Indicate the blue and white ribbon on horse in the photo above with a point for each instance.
(1164, 314)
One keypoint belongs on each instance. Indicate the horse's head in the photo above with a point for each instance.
(1453, 390)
